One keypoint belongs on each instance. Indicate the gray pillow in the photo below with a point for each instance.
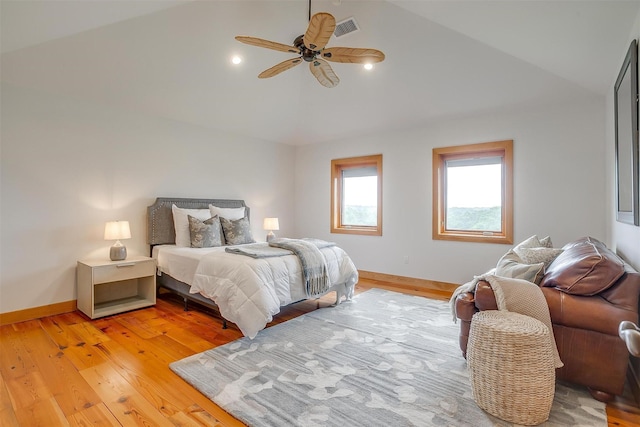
(531, 242)
(537, 255)
(237, 232)
(546, 242)
(205, 234)
(510, 265)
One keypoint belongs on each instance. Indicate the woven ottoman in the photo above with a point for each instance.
(511, 366)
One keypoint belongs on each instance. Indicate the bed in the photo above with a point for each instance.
(245, 290)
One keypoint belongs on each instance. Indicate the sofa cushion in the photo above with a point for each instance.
(587, 268)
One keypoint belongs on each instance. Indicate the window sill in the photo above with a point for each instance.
(357, 231)
(475, 238)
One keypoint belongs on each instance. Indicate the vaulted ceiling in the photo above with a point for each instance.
(444, 60)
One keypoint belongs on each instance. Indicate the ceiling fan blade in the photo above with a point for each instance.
(277, 69)
(319, 31)
(324, 73)
(352, 55)
(254, 41)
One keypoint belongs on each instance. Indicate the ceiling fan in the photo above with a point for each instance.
(311, 47)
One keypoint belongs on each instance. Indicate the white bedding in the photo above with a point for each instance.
(180, 262)
(249, 291)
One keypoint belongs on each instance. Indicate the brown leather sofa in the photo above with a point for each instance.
(589, 290)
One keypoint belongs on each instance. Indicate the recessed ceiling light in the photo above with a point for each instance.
(236, 60)
(368, 67)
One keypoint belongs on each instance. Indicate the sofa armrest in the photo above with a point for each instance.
(465, 309)
(485, 298)
(626, 291)
(465, 306)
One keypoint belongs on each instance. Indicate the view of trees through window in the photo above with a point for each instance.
(359, 205)
(474, 195)
(473, 192)
(356, 195)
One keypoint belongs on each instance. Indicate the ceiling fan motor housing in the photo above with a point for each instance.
(306, 53)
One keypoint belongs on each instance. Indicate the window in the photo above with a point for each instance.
(356, 195)
(473, 192)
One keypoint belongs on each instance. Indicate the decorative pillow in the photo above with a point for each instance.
(237, 232)
(510, 265)
(181, 223)
(537, 255)
(205, 234)
(584, 269)
(546, 242)
(227, 213)
(531, 242)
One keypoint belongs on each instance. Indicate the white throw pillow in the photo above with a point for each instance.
(232, 214)
(181, 223)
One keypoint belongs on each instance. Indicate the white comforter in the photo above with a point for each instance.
(249, 291)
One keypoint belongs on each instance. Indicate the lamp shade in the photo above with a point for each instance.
(116, 230)
(271, 224)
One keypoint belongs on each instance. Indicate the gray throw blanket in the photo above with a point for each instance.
(263, 250)
(314, 265)
(318, 242)
(257, 250)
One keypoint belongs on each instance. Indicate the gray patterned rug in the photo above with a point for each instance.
(383, 359)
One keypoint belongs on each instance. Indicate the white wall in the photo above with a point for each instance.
(624, 238)
(559, 188)
(68, 166)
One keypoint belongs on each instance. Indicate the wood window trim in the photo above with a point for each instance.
(440, 155)
(337, 166)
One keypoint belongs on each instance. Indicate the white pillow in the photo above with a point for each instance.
(232, 214)
(181, 223)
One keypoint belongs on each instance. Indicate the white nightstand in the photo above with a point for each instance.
(109, 287)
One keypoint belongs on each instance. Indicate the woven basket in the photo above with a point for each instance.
(511, 367)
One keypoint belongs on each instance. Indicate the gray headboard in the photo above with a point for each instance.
(160, 229)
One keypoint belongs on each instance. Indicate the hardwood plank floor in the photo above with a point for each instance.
(68, 370)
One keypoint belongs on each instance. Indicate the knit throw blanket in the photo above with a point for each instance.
(518, 296)
(314, 265)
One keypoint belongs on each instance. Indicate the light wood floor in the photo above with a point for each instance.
(68, 370)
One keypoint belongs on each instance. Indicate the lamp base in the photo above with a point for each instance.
(270, 236)
(118, 253)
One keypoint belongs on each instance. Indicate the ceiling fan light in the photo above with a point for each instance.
(236, 60)
(368, 66)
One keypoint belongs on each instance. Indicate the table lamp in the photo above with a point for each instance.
(271, 224)
(116, 230)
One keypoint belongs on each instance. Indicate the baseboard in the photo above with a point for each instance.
(399, 282)
(410, 283)
(37, 312)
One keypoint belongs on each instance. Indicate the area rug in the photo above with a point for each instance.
(383, 359)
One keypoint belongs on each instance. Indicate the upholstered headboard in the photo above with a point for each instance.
(160, 229)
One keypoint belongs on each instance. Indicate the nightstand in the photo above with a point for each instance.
(110, 287)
